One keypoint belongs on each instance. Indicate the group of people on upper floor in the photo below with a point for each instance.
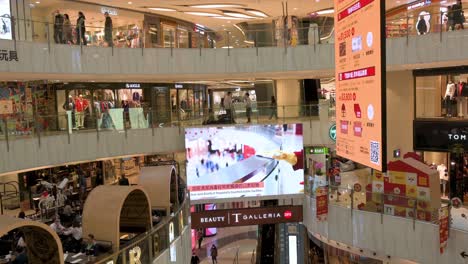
(455, 16)
(64, 34)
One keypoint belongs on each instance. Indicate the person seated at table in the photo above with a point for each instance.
(57, 226)
(22, 215)
(21, 256)
(90, 247)
(67, 211)
(76, 233)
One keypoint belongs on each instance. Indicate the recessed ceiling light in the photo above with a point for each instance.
(256, 13)
(162, 9)
(238, 15)
(37, 2)
(217, 6)
(202, 14)
(130, 3)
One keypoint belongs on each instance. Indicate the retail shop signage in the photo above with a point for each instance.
(360, 86)
(8, 55)
(332, 132)
(132, 85)
(110, 11)
(419, 4)
(440, 135)
(247, 216)
(178, 86)
(317, 150)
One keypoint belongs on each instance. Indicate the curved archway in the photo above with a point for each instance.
(112, 210)
(42, 243)
(161, 184)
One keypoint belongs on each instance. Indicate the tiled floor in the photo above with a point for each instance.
(229, 241)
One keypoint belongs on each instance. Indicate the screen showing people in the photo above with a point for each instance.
(257, 160)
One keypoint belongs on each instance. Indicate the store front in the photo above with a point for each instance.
(26, 106)
(443, 145)
(422, 17)
(187, 101)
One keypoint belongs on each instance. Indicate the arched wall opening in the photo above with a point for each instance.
(114, 212)
(43, 246)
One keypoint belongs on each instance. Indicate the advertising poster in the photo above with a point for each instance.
(360, 75)
(6, 107)
(443, 228)
(257, 160)
(321, 198)
(5, 25)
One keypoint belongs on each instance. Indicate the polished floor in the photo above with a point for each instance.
(231, 242)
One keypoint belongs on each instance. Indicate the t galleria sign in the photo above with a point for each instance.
(247, 216)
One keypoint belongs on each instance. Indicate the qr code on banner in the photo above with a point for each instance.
(375, 152)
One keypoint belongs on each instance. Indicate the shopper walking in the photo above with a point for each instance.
(458, 15)
(228, 107)
(81, 29)
(108, 30)
(58, 27)
(214, 254)
(195, 259)
(274, 110)
(200, 238)
(450, 18)
(248, 107)
(123, 181)
(421, 26)
(67, 30)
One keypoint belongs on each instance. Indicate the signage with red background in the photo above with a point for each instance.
(360, 81)
(321, 198)
(443, 228)
(247, 216)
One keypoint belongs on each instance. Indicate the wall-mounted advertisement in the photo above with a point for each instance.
(5, 18)
(257, 160)
(360, 81)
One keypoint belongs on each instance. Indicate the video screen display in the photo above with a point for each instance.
(5, 27)
(256, 160)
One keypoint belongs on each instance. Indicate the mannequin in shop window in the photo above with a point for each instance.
(108, 30)
(106, 117)
(422, 25)
(461, 95)
(443, 175)
(449, 97)
(81, 106)
(69, 105)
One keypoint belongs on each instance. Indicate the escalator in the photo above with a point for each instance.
(266, 244)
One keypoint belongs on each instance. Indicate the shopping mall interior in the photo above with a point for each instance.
(245, 132)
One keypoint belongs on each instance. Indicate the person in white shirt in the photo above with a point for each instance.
(228, 106)
(57, 226)
(77, 233)
(248, 107)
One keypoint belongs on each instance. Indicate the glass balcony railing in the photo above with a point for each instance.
(404, 25)
(118, 120)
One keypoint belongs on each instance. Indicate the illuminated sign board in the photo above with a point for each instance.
(110, 11)
(360, 81)
(247, 216)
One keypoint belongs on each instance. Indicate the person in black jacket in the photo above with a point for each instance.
(108, 30)
(421, 26)
(124, 181)
(80, 29)
(58, 27)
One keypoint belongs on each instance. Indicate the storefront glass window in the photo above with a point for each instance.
(183, 37)
(442, 96)
(169, 39)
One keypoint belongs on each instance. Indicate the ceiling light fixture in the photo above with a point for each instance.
(256, 13)
(130, 3)
(228, 18)
(325, 12)
(214, 6)
(202, 14)
(37, 2)
(162, 9)
(238, 15)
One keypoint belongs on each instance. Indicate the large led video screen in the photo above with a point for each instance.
(244, 161)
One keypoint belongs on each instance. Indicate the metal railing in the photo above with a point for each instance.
(405, 25)
(21, 125)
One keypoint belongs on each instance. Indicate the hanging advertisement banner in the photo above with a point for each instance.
(321, 199)
(6, 107)
(360, 81)
(443, 228)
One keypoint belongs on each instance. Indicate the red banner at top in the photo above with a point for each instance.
(353, 8)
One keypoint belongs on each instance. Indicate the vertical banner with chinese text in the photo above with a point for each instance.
(321, 198)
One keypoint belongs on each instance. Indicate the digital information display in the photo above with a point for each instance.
(244, 161)
(360, 82)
